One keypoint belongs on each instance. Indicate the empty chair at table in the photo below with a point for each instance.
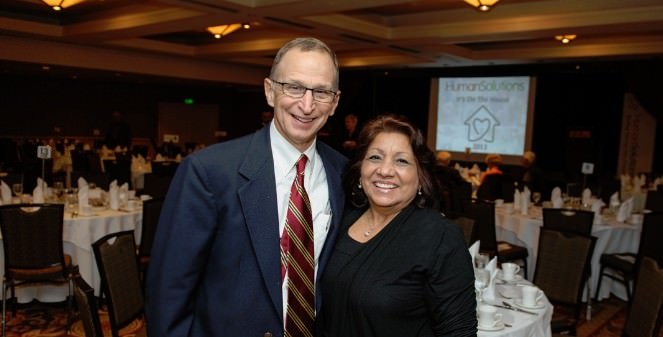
(483, 213)
(151, 213)
(468, 226)
(562, 269)
(570, 220)
(33, 248)
(87, 308)
(654, 201)
(623, 266)
(117, 262)
(646, 311)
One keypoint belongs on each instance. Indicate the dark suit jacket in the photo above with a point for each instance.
(215, 263)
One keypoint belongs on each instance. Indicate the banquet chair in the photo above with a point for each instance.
(562, 269)
(88, 311)
(156, 185)
(33, 248)
(117, 262)
(496, 186)
(483, 213)
(467, 225)
(654, 201)
(151, 212)
(622, 267)
(569, 220)
(646, 311)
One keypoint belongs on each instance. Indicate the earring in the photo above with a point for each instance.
(419, 190)
(359, 185)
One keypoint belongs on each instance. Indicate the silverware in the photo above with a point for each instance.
(508, 306)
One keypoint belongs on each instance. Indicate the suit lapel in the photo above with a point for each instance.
(258, 202)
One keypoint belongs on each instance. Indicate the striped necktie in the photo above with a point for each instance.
(297, 258)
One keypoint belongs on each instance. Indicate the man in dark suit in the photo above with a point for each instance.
(215, 268)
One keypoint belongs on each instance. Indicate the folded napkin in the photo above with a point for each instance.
(39, 193)
(586, 196)
(114, 195)
(159, 157)
(614, 201)
(5, 193)
(124, 195)
(516, 199)
(474, 250)
(556, 198)
(489, 293)
(625, 210)
(597, 206)
(524, 201)
(83, 198)
(556, 193)
(82, 182)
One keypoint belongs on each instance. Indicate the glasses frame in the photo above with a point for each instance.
(313, 91)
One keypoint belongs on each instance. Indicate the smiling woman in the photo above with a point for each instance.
(388, 274)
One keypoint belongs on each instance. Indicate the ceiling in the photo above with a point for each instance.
(168, 37)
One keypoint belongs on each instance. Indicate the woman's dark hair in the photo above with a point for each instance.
(424, 156)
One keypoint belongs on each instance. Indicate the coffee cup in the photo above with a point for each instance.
(509, 271)
(531, 296)
(132, 205)
(488, 316)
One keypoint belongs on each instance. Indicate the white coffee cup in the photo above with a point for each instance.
(509, 271)
(488, 316)
(132, 205)
(531, 296)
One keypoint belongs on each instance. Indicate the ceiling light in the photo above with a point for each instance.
(565, 38)
(223, 30)
(482, 5)
(61, 4)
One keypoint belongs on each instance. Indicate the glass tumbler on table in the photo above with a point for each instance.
(481, 282)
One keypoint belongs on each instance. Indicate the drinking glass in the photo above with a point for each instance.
(58, 188)
(481, 282)
(481, 260)
(18, 190)
(536, 197)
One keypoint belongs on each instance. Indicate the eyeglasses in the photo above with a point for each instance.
(297, 91)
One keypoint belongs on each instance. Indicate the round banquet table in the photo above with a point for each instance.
(79, 232)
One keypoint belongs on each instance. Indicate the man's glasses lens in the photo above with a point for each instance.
(298, 91)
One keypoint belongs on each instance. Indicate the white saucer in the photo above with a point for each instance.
(496, 327)
(515, 278)
(539, 305)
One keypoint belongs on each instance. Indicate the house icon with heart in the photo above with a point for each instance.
(481, 125)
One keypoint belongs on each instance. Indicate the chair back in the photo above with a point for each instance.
(32, 239)
(87, 308)
(496, 186)
(483, 214)
(117, 262)
(156, 185)
(151, 212)
(562, 265)
(467, 225)
(650, 236)
(654, 201)
(568, 220)
(646, 311)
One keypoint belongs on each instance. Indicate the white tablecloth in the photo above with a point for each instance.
(612, 237)
(522, 324)
(78, 235)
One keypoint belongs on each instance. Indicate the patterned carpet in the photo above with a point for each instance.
(49, 320)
